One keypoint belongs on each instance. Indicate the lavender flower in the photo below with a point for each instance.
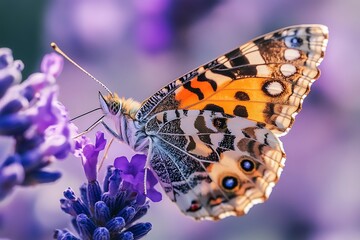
(107, 213)
(33, 122)
(133, 173)
(89, 154)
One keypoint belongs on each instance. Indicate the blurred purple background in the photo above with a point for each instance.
(136, 47)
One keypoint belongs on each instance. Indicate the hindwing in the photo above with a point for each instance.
(211, 164)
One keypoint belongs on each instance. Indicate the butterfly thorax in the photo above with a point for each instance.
(122, 112)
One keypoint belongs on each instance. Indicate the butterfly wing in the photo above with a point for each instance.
(214, 132)
(211, 164)
(264, 80)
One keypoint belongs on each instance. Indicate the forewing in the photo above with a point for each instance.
(264, 80)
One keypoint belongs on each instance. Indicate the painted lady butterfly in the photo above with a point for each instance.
(211, 136)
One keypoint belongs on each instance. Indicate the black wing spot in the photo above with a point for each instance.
(223, 70)
(220, 123)
(165, 117)
(213, 84)
(196, 91)
(214, 108)
(205, 138)
(177, 113)
(191, 145)
(200, 125)
(248, 70)
(239, 61)
(234, 53)
(269, 111)
(241, 111)
(242, 96)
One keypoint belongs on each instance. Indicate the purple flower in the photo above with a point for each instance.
(89, 154)
(130, 170)
(34, 122)
(108, 213)
(133, 172)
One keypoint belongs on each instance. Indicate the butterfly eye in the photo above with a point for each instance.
(229, 182)
(114, 107)
(296, 41)
(247, 165)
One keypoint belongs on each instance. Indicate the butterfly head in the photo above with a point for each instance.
(113, 105)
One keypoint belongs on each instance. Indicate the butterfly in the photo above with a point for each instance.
(212, 135)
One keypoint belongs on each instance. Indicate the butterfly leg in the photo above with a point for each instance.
(105, 154)
(112, 132)
(142, 146)
(147, 168)
(89, 129)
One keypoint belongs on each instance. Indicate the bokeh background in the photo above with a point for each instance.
(135, 47)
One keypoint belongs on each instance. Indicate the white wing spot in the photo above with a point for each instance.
(255, 57)
(222, 59)
(287, 69)
(291, 54)
(273, 88)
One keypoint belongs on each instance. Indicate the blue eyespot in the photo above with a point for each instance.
(296, 42)
(247, 165)
(229, 182)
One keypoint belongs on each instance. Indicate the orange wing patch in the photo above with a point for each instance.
(200, 88)
(259, 99)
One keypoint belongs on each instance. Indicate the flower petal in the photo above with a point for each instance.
(100, 141)
(89, 162)
(89, 154)
(121, 163)
(11, 174)
(52, 64)
(154, 195)
(14, 124)
(151, 179)
(138, 162)
(101, 233)
(37, 177)
(5, 83)
(140, 229)
(86, 226)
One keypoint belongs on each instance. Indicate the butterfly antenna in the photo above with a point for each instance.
(58, 50)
